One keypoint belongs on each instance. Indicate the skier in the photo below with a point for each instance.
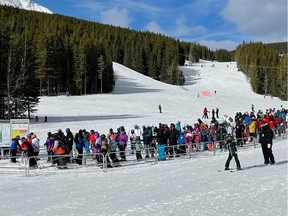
(160, 108)
(173, 137)
(113, 147)
(162, 137)
(123, 138)
(69, 141)
(231, 146)
(132, 137)
(205, 113)
(26, 146)
(79, 141)
(13, 148)
(35, 142)
(265, 138)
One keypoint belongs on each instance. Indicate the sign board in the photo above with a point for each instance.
(205, 93)
(5, 133)
(12, 128)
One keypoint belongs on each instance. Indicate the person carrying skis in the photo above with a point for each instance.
(231, 147)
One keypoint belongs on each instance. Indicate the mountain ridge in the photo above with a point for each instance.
(26, 5)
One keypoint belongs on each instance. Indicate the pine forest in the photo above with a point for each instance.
(50, 54)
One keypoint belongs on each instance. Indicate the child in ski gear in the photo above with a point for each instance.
(123, 138)
(266, 138)
(113, 147)
(231, 147)
(139, 147)
(181, 144)
(132, 138)
(104, 148)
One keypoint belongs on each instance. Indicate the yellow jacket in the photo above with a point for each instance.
(252, 127)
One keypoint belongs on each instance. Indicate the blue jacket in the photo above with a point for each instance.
(14, 144)
(181, 139)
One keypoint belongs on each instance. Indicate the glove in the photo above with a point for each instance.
(269, 145)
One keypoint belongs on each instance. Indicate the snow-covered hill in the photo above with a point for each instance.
(136, 98)
(26, 4)
(179, 187)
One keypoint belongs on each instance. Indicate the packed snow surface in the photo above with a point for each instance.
(196, 186)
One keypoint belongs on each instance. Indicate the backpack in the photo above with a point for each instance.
(104, 145)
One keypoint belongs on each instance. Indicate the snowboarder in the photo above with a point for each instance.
(231, 147)
(160, 108)
(265, 138)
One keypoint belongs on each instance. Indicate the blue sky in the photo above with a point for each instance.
(218, 24)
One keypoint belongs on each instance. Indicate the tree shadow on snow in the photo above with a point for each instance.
(86, 118)
(127, 86)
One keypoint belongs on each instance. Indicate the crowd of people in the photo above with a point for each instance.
(170, 140)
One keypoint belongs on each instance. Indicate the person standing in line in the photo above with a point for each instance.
(123, 138)
(231, 147)
(79, 141)
(69, 141)
(49, 145)
(26, 146)
(173, 135)
(162, 137)
(160, 108)
(13, 148)
(35, 144)
(265, 139)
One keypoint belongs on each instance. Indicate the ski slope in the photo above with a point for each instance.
(174, 187)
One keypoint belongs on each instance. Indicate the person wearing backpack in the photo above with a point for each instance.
(59, 150)
(35, 144)
(28, 149)
(105, 148)
(113, 148)
(231, 147)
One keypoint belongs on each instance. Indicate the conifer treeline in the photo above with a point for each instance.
(44, 54)
(264, 67)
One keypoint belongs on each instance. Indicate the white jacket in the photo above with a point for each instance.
(36, 144)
